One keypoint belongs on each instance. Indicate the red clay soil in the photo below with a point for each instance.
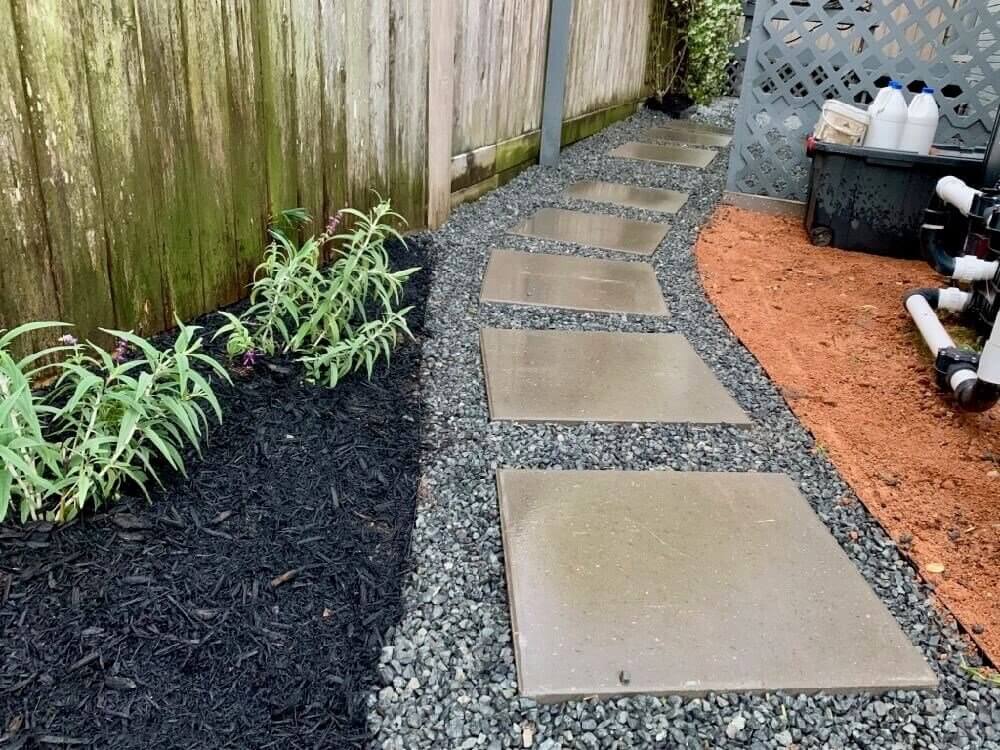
(829, 328)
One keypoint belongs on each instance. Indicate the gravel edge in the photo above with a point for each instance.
(448, 673)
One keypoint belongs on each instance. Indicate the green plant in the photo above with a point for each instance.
(29, 460)
(339, 318)
(693, 44)
(288, 222)
(107, 419)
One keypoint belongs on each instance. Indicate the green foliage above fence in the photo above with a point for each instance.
(691, 44)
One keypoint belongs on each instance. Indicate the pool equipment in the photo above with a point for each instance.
(960, 238)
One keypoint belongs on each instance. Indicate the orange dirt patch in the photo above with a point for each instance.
(829, 328)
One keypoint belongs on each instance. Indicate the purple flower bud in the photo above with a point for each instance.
(120, 353)
(249, 358)
(68, 339)
(334, 222)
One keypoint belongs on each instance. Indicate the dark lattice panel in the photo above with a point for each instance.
(803, 52)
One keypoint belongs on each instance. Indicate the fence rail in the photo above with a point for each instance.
(145, 144)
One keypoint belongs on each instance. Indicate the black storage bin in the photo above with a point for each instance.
(871, 199)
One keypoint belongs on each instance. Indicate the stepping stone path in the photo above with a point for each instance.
(594, 230)
(651, 199)
(680, 134)
(625, 582)
(681, 155)
(572, 283)
(673, 582)
(597, 376)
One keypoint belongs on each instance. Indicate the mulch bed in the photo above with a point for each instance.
(247, 605)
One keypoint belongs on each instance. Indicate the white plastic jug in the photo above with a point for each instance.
(888, 117)
(921, 123)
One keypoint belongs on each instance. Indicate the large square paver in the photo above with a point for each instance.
(684, 134)
(597, 376)
(681, 155)
(575, 283)
(633, 196)
(670, 582)
(593, 230)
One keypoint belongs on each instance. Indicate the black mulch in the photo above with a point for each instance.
(246, 607)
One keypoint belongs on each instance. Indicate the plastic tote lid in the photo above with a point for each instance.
(846, 110)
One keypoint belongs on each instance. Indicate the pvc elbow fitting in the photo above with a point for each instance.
(955, 192)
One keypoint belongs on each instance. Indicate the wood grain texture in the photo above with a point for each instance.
(607, 59)
(114, 81)
(166, 122)
(408, 101)
(28, 285)
(440, 105)
(208, 100)
(55, 84)
(247, 160)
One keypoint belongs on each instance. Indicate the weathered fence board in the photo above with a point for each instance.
(166, 124)
(147, 144)
(28, 287)
(55, 82)
(247, 161)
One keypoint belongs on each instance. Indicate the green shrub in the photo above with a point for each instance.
(107, 419)
(693, 45)
(338, 319)
(29, 461)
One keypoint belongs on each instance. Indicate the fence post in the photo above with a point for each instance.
(556, 58)
(440, 110)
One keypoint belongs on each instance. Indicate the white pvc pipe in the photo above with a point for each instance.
(956, 193)
(934, 334)
(953, 299)
(971, 268)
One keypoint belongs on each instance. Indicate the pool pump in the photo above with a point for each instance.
(960, 238)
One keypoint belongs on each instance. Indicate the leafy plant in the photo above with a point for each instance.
(693, 44)
(108, 419)
(29, 460)
(339, 318)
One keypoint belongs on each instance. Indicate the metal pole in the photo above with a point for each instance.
(991, 172)
(555, 81)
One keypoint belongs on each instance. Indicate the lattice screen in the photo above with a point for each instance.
(803, 52)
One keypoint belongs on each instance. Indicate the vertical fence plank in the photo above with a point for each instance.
(208, 99)
(56, 85)
(477, 71)
(440, 104)
(333, 54)
(114, 75)
(378, 96)
(525, 26)
(278, 82)
(27, 285)
(246, 158)
(360, 148)
(305, 29)
(408, 109)
(167, 125)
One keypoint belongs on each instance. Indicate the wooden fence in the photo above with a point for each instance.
(145, 144)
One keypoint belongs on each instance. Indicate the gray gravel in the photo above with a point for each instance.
(448, 677)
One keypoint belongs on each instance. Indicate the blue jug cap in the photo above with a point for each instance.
(927, 90)
(896, 85)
